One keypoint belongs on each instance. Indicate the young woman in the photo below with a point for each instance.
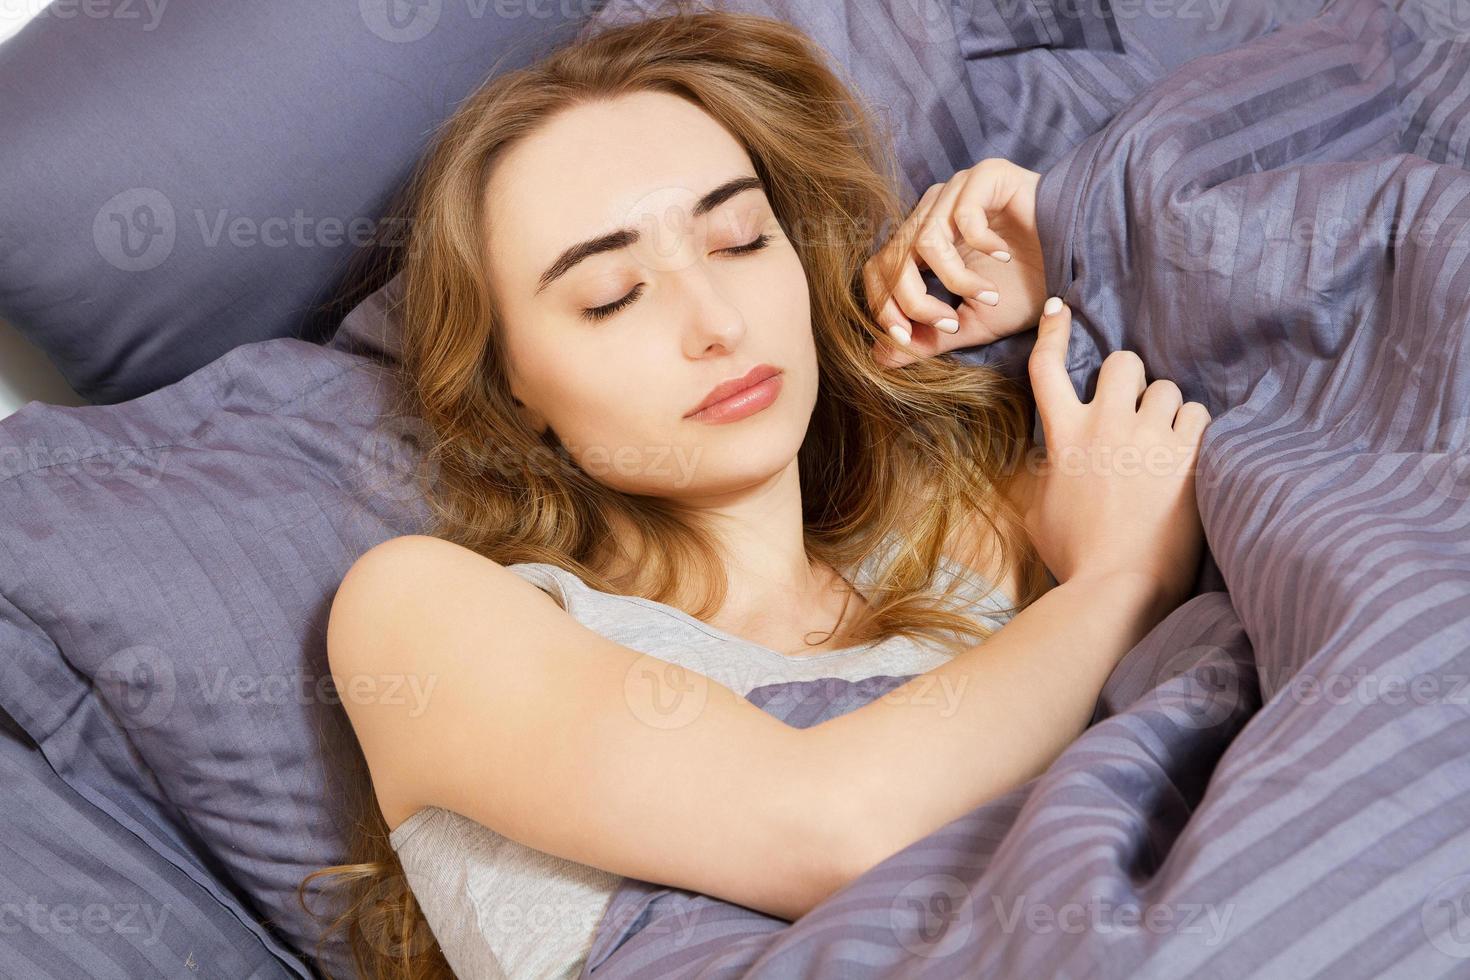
(671, 436)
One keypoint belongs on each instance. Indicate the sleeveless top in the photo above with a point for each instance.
(501, 909)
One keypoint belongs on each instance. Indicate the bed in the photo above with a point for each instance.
(1270, 202)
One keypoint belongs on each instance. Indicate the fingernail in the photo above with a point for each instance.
(988, 296)
(1052, 306)
(899, 334)
(1002, 256)
(948, 325)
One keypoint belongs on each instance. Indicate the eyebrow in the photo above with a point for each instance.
(624, 237)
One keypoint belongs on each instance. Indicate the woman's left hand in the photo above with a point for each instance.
(977, 232)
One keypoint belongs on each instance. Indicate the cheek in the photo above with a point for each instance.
(610, 411)
(783, 278)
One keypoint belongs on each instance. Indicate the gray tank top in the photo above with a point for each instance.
(501, 909)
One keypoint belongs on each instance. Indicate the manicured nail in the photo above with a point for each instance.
(988, 296)
(1052, 306)
(948, 325)
(899, 334)
(1002, 256)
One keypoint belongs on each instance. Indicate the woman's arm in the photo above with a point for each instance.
(568, 742)
(988, 720)
(573, 744)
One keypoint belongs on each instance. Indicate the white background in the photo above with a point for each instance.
(25, 374)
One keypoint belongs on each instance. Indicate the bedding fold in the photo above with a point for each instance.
(1277, 781)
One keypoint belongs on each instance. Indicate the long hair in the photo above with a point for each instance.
(920, 450)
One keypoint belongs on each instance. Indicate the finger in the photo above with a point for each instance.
(891, 319)
(906, 341)
(899, 347)
(979, 196)
(899, 244)
(1191, 420)
(885, 308)
(934, 243)
(1047, 364)
(916, 302)
(1161, 400)
(1120, 382)
(910, 304)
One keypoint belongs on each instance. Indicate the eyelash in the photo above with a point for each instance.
(603, 312)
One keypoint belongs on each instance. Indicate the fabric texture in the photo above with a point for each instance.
(166, 563)
(166, 569)
(184, 178)
(501, 909)
(82, 897)
(1276, 784)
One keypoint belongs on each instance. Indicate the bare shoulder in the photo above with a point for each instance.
(416, 553)
(393, 573)
(397, 628)
(394, 584)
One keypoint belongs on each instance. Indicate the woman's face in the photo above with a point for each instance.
(617, 390)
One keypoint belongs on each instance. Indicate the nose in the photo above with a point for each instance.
(710, 320)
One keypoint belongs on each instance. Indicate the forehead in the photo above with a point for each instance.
(599, 167)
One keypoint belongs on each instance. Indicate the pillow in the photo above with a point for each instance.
(182, 179)
(81, 896)
(166, 569)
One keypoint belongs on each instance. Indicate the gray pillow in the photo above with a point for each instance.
(166, 568)
(189, 177)
(82, 896)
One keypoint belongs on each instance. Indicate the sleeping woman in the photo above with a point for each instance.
(687, 438)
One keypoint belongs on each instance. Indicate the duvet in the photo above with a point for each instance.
(1277, 779)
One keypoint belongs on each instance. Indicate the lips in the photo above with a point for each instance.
(734, 386)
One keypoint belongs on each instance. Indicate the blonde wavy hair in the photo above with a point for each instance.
(920, 450)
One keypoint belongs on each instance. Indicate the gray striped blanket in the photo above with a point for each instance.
(1277, 779)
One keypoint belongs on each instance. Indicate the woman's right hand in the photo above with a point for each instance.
(977, 233)
(1116, 492)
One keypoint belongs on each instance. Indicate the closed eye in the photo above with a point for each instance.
(603, 312)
